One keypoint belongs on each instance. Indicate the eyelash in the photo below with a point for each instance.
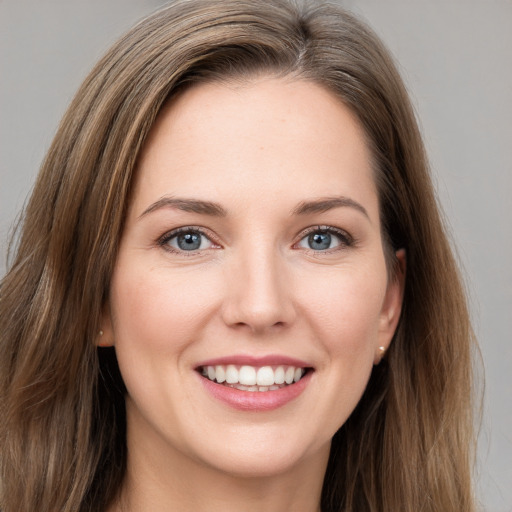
(345, 239)
(164, 240)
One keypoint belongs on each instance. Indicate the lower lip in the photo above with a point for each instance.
(256, 400)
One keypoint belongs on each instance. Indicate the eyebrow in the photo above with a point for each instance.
(216, 210)
(328, 203)
(186, 205)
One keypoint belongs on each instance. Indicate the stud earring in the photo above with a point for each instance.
(378, 359)
(102, 341)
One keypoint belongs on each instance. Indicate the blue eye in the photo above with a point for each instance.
(187, 240)
(320, 241)
(323, 239)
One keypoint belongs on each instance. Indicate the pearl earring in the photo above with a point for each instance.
(102, 342)
(382, 351)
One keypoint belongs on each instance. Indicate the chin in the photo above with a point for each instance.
(253, 456)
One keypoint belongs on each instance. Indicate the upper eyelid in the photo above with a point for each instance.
(325, 229)
(185, 229)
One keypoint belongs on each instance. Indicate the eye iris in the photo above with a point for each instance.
(189, 241)
(319, 241)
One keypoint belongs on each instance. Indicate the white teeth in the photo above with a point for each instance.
(279, 375)
(265, 376)
(231, 374)
(250, 378)
(247, 376)
(220, 374)
(241, 387)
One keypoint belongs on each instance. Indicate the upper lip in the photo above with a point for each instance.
(257, 361)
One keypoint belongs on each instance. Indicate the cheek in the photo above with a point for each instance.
(346, 310)
(158, 309)
(157, 315)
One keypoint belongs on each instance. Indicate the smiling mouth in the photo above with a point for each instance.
(254, 378)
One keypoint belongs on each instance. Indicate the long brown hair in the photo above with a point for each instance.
(407, 446)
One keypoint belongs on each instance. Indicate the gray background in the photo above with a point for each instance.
(456, 58)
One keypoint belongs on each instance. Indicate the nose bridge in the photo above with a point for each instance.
(258, 293)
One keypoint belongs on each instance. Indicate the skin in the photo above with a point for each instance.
(255, 287)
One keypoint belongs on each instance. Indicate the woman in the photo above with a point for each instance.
(232, 287)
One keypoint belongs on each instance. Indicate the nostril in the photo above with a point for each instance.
(261, 299)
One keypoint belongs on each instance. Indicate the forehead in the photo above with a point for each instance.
(282, 136)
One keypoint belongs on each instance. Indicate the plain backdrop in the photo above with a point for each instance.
(456, 59)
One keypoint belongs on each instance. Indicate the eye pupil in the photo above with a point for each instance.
(189, 241)
(319, 241)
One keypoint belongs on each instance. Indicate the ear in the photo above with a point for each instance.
(105, 336)
(391, 307)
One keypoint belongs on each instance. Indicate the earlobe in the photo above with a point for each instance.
(105, 336)
(392, 306)
(103, 341)
(379, 355)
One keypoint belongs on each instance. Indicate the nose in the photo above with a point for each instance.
(259, 295)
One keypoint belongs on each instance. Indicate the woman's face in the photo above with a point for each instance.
(252, 255)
